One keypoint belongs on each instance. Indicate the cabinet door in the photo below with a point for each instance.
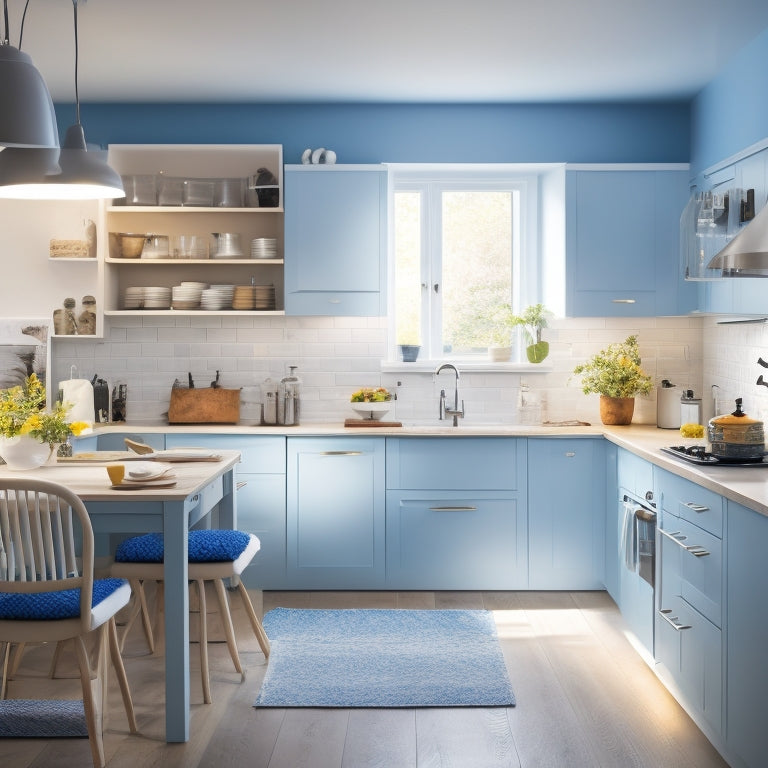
(335, 516)
(455, 540)
(622, 243)
(335, 241)
(747, 627)
(566, 511)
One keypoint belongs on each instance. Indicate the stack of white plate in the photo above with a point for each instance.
(264, 248)
(215, 298)
(134, 297)
(157, 297)
(186, 296)
(227, 292)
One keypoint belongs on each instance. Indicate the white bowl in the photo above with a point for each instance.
(372, 411)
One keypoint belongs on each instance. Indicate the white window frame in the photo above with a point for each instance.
(526, 271)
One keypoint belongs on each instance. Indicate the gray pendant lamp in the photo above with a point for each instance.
(74, 173)
(27, 117)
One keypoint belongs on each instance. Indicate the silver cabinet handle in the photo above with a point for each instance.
(341, 453)
(453, 509)
(695, 549)
(695, 507)
(623, 301)
(673, 620)
(570, 454)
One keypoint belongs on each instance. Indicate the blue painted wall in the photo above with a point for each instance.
(372, 133)
(731, 112)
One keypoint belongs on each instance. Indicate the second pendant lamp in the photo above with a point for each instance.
(72, 173)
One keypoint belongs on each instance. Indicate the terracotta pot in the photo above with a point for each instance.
(616, 410)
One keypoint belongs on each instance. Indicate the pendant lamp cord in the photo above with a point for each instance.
(77, 49)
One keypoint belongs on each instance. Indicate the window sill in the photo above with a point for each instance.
(464, 366)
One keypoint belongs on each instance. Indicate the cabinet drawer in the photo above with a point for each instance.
(260, 454)
(689, 650)
(689, 501)
(455, 541)
(691, 566)
(455, 464)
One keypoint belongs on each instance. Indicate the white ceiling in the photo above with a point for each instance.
(391, 50)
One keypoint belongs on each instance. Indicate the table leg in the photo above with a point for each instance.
(175, 522)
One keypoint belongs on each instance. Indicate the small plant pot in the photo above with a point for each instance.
(537, 353)
(617, 411)
(499, 354)
(409, 352)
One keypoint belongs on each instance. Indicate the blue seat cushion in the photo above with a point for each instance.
(206, 546)
(53, 605)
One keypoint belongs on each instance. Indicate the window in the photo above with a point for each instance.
(463, 247)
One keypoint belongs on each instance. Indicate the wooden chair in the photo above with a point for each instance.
(48, 592)
(214, 555)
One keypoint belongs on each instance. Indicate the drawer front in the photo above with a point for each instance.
(691, 502)
(689, 650)
(691, 566)
(455, 464)
(456, 541)
(260, 454)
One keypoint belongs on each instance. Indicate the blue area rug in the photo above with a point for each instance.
(383, 658)
(42, 719)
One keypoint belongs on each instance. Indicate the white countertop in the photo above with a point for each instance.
(745, 485)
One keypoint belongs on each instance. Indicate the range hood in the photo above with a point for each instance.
(747, 254)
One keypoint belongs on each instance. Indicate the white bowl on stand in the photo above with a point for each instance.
(372, 411)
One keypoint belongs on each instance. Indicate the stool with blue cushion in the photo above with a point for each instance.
(213, 555)
(48, 594)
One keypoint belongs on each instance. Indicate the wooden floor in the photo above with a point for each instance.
(584, 698)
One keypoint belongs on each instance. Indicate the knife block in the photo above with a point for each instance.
(204, 406)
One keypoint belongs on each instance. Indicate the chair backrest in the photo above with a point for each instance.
(46, 539)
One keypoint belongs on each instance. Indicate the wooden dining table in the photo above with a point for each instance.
(200, 487)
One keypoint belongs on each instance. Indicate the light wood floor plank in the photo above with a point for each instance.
(380, 738)
(585, 699)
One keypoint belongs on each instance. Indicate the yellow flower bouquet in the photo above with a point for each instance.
(615, 371)
(22, 412)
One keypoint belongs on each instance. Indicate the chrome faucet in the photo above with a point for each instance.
(444, 411)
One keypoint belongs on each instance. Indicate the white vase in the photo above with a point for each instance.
(23, 452)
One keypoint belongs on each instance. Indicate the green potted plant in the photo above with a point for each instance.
(533, 319)
(409, 347)
(615, 374)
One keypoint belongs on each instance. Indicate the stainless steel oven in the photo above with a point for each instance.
(637, 545)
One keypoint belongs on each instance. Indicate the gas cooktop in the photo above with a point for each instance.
(697, 454)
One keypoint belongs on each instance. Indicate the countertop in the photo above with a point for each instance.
(744, 485)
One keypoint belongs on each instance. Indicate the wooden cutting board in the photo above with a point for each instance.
(371, 423)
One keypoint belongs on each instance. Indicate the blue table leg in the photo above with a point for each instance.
(175, 522)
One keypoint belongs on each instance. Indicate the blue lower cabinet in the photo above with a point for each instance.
(335, 513)
(566, 513)
(454, 540)
(747, 628)
(260, 480)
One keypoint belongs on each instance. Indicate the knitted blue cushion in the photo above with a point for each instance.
(207, 546)
(53, 605)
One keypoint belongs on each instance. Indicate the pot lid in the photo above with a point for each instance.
(737, 418)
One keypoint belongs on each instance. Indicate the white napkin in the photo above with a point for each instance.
(78, 393)
(144, 470)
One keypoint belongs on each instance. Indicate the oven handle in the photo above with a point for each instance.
(695, 549)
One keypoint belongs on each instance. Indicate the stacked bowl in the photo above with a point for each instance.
(264, 248)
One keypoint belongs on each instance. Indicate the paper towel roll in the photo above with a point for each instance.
(78, 394)
(668, 407)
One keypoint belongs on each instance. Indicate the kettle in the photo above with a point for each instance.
(736, 436)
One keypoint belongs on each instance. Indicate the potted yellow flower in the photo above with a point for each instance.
(28, 432)
(615, 374)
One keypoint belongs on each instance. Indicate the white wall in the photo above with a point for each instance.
(338, 355)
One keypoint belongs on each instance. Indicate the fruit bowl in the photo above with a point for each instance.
(371, 411)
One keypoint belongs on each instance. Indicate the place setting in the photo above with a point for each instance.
(140, 475)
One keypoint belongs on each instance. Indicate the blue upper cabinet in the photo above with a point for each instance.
(335, 240)
(622, 242)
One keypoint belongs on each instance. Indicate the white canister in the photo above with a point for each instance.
(690, 408)
(78, 394)
(668, 406)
